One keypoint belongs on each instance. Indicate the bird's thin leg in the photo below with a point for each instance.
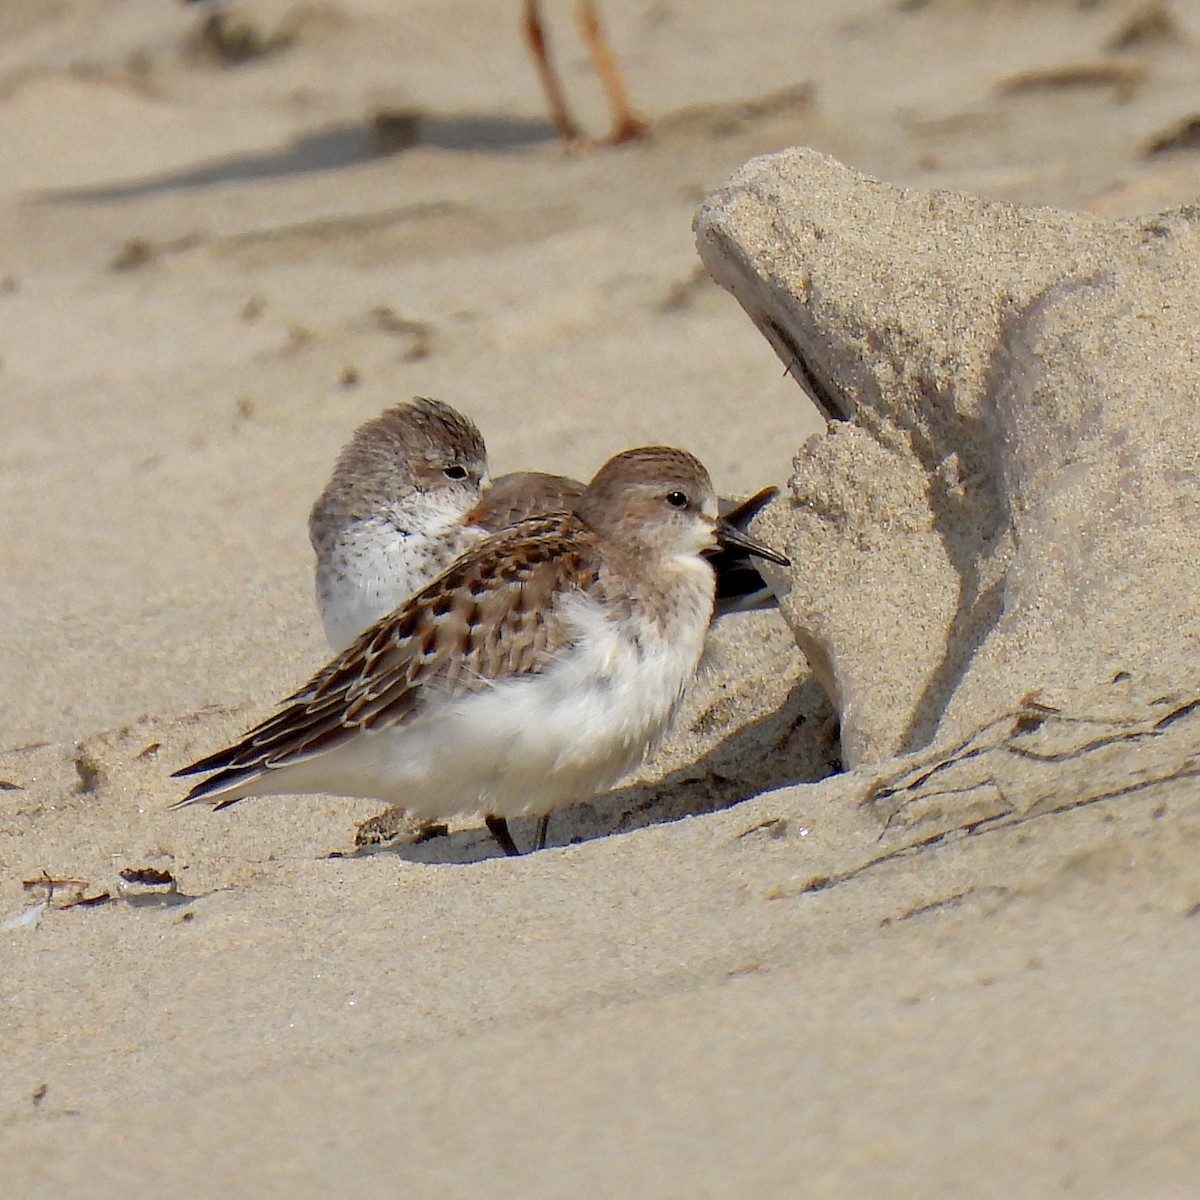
(498, 827)
(542, 830)
(535, 37)
(626, 127)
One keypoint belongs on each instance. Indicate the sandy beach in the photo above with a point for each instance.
(730, 976)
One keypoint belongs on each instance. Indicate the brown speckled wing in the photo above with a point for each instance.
(489, 617)
(522, 495)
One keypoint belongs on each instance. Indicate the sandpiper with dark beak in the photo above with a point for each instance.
(539, 668)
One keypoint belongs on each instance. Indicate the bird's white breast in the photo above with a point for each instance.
(376, 564)
(539, 742)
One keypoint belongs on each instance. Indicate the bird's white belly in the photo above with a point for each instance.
(524, 746)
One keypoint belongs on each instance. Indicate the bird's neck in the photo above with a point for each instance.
(670, 590)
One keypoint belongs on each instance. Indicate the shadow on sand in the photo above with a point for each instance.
(795, 744)
(324, 150)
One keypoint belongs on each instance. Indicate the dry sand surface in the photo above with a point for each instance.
(742, 974)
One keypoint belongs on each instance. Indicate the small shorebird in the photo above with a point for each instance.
(390, 519)
(536, 671)
(411, 492)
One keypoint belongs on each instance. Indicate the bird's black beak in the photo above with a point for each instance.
(731, 538)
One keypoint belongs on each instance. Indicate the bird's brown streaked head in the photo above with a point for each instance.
(657, 498)
(423, 447)
(662, 500)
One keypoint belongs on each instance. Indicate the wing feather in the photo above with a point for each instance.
(491, 616)
(522, 495)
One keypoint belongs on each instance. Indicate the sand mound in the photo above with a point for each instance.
(1014, 506)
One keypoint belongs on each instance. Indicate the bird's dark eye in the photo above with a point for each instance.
(455, 472)
(677, 499)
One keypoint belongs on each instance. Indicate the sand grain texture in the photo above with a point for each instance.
(1012, 504)
(966, 972)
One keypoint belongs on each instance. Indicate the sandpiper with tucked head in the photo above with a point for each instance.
(411, 491)
(391, 517)
(533, 673)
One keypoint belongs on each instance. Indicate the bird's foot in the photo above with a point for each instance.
(498, 827)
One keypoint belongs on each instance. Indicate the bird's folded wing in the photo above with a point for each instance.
(521, 495)
(488, 618)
